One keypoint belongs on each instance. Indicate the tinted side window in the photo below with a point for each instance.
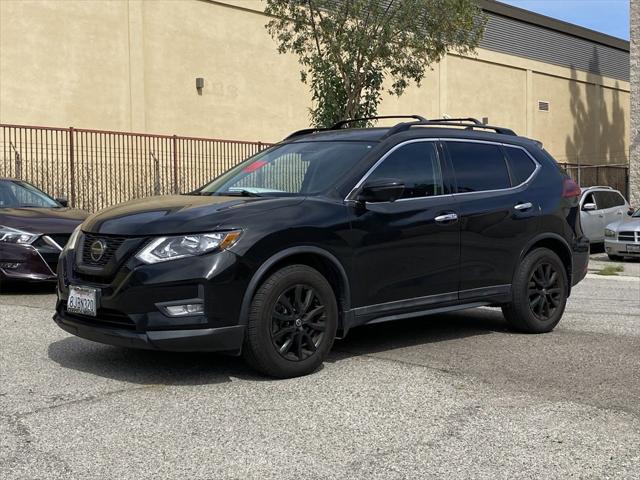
(520, 165)
(616, 200)
(416, 165)
(604, 199)
(478, 166)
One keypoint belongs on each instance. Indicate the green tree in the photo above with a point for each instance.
(349, 48)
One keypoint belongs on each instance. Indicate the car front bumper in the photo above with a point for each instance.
(130, 305)
(26, 263)
(222, 339)
(620, 248)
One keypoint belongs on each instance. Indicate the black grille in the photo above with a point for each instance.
(627, 236)
(105, 317)
(111, 246)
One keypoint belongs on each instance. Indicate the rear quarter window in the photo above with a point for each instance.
(520, 163)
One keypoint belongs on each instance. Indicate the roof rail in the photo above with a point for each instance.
(304, 131)
(469, 123)
(467, 119)
(341, 123)
(472, 125)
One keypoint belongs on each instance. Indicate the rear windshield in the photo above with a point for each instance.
(291, 169)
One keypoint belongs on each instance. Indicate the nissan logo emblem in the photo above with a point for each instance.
(97, 250)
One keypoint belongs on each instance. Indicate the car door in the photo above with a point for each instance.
(403, 250)
(616, 207)
(593, 221)
(499, 213)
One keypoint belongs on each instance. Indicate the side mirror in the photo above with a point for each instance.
(381, 190)
(631, 211)
(589, 207)
(63, 201)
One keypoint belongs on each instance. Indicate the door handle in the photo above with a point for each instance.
(446, 217)
(523, 206)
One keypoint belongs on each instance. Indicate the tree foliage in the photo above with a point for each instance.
(350, 49)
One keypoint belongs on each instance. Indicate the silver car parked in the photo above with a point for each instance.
(600, 206)
(622, 238)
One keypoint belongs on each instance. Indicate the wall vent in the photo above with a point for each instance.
(543, 105)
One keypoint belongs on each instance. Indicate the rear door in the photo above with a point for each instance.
(616, 207)
(499, 213)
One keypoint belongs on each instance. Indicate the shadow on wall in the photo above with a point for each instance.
(598, 137)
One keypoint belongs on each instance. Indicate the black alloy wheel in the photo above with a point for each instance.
(539, 292)
(298, 323)
(292, 323)
(545, 291)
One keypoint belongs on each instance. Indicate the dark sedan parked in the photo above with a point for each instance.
(34, 228)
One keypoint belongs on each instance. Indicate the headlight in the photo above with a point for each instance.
(609, 233)
(171, 248)
(13, 235)
(73, 240)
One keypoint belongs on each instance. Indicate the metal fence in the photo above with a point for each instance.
(616, 176)
(97, 168)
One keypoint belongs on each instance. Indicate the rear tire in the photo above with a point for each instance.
(539, 290)
(292, 323)
(615, 258)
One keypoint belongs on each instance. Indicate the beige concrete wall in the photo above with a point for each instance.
(132, 64)
(64, 63)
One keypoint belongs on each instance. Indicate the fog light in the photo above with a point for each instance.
(184, 310)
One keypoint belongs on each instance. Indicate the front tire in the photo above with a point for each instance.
(540, 290)
(292, 323)
(615, 258)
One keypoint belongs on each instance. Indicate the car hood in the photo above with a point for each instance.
(177, 214)
(42, 220)
(628, 223)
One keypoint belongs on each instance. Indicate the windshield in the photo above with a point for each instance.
(636, 214)
(291, 169)
(15, 194)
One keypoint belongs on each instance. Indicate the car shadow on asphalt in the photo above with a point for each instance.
(147, 367)
(431, 329)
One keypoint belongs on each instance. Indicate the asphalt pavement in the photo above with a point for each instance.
(447, 396)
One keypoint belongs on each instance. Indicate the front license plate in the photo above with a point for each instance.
(633, 248)
(82, 300)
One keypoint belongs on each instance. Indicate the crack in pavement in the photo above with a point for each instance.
(89, 399)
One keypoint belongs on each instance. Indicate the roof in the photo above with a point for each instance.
(377, 134)
(550, 23)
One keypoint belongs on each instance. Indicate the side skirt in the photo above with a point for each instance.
(428, 305)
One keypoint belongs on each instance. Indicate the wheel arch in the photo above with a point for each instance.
(556, 244)
(322, 260)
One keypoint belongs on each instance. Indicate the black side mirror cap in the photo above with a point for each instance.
(380, 190)
(63, 201)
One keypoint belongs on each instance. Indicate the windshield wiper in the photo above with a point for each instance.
(239, 193)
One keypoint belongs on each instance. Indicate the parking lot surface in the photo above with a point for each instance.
(446, 396)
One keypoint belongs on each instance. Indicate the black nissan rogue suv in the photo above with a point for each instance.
(327, 230)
